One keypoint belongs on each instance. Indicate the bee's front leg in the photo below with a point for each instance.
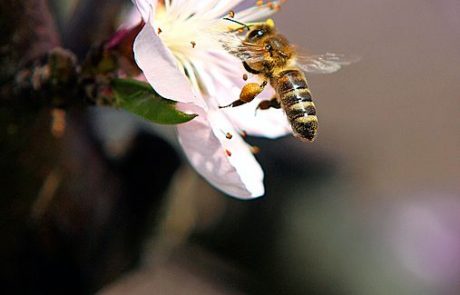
(267, 104)
(248, 93)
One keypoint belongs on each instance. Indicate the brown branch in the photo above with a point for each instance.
(27, 32)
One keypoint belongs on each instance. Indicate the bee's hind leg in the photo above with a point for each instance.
(267, 104)
(248, 93)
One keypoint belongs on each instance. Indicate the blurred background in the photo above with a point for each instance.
(371, 207)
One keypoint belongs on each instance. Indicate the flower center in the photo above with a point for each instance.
(185, 36)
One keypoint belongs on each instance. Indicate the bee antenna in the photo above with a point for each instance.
(237, 22)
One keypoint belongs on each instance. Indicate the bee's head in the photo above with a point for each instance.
(278, 47)
(274, 44)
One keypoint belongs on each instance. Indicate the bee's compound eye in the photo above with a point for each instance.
(256, 34)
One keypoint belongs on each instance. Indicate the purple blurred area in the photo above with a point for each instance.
(371, 207)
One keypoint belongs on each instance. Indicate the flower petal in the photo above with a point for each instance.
(257, 13)
(227, 164)
(213, 8)
(160, 68)
(146, 8)
(271, 123)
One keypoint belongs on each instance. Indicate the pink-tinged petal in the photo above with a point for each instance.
(160, 68)
(227, 164)
(270, 123)
(257, 13)
(131, 19)
(146, 8)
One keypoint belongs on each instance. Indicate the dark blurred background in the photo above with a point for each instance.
(371, 207)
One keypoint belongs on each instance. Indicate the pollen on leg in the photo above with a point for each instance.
(251, 90)
(228, 153)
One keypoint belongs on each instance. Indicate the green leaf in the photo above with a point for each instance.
(140, 98)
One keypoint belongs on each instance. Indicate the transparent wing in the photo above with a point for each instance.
(245, 51)
(324, 63)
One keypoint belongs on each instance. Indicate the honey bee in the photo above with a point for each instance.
(269, 55)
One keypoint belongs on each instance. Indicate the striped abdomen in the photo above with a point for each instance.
(295, 97)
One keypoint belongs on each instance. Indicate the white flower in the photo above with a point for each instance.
(180, 55)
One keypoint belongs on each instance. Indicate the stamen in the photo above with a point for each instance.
(237, 22)
(193, 44)
(228, 153)
(244, 134)
(245, 77)
(231, 14)
(159, 31)
(229, 135)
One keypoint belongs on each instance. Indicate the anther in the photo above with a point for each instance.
(193, 44)
(244, 134)
(159, 31)
(228, 153)
(231, 14)
(228, 135)
(245, 77)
